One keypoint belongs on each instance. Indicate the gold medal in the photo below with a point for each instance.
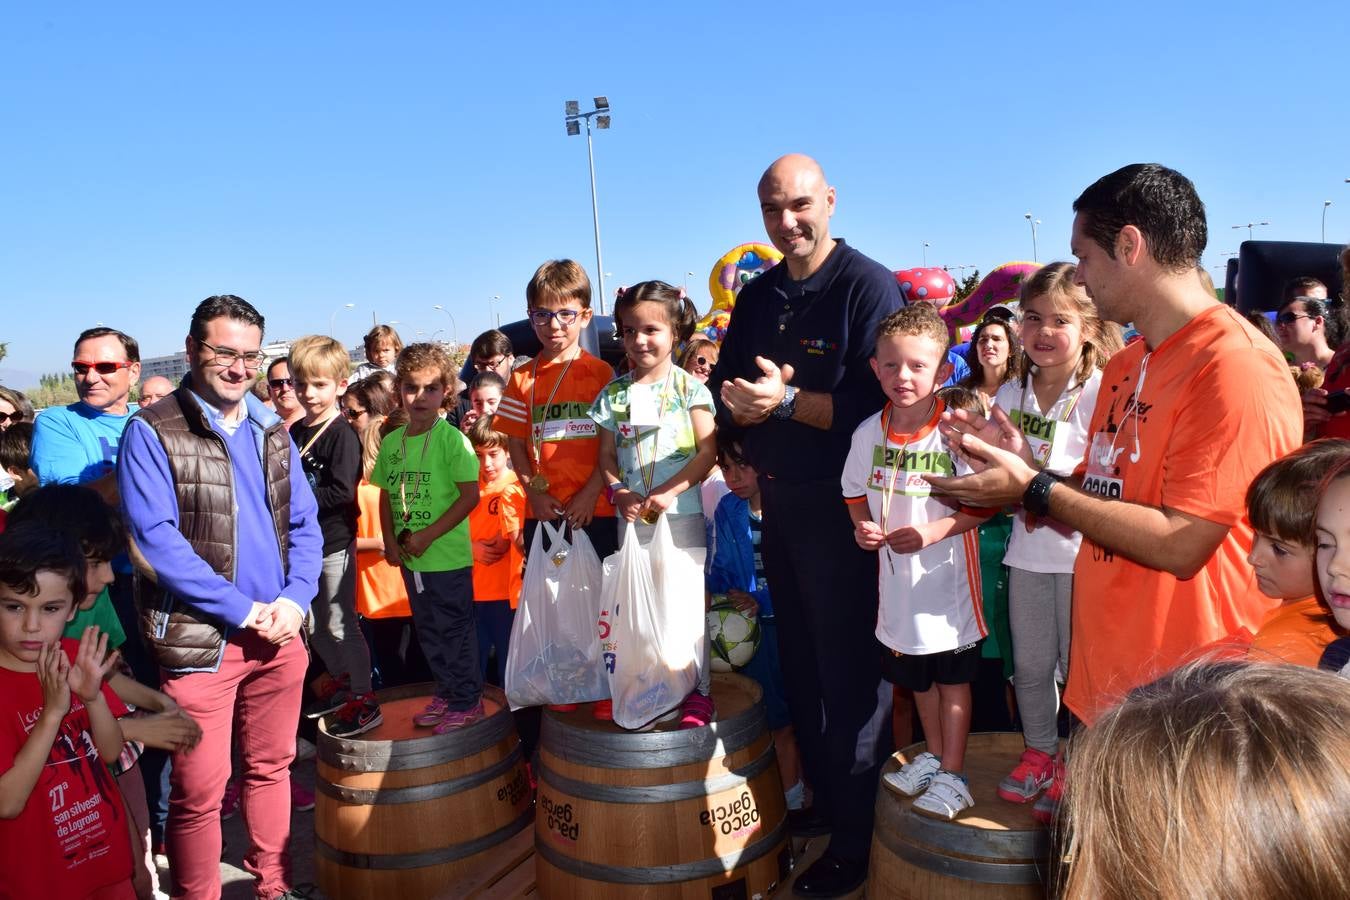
(650, 517)
(539, 484)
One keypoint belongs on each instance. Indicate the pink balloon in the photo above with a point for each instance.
(933, 285)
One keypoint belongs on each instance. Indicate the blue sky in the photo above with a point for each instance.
(396, 156)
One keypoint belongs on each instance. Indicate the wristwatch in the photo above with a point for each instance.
(1036, 498)
(788, 405)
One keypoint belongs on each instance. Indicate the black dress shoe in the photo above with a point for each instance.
(830, 876)
(807, 822)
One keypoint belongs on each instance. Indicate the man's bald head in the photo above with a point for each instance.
(796, 203)
(154, 388)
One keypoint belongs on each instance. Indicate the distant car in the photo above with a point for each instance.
(598, 339)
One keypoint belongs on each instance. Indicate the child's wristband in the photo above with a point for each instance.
(612, 491)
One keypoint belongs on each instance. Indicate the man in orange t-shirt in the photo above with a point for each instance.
(1184, 421)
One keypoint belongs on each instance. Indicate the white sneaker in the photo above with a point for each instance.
(947, 796)
(914, 775)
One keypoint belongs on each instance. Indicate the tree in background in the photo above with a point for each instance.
(967, 286)
(56, 389)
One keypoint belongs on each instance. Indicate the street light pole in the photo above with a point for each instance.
(572, 117)
(925, 254)
(332, 320)
(454, 329)
(1249, 226)
(1325, 204)
(491, 310)
(1035, 252)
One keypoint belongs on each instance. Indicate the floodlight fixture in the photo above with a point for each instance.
(602, 103)
(573, 127)
(574, 117)
(573, 108)
(602, 121)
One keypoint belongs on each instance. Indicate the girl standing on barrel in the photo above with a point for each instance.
(656, 438)
(1064, 347)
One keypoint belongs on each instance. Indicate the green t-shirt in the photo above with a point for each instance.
(422, 474)
(104, 615)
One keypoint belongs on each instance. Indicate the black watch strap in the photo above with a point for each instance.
(1036, 498)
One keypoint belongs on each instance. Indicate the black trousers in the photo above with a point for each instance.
(824, 590)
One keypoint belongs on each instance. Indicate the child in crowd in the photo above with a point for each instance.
(63, 827)
(1279, 504)
(737, 570)
(156, 721)
(383, 346)
(429, 476)
(485, 395)
(495, 527)
(553, 442)
(330, 452)
(16, 444)
(381, 597)
(1218, 780)
(1333, 557)
(930, 623)
(1050, 400)
(656, 438)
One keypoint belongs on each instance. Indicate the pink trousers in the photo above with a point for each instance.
(254, 699)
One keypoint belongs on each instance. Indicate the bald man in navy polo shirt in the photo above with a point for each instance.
(794, 374)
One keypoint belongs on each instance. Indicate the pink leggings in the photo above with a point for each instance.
(263, 682)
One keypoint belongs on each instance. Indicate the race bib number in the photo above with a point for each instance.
(1039, 432)
(1105, 476)
(909, 467)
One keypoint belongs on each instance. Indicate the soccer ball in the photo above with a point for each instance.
(734, 636)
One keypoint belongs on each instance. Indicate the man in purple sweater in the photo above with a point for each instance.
(227, 547)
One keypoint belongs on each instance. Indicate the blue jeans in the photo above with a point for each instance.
(494, 632)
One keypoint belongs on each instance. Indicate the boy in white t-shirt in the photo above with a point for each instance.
(930, 622)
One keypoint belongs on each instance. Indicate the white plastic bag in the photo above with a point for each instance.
(653, 600)
(555, 652)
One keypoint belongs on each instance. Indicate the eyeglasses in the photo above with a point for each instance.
(565, 317)
(14, 418)
(103, 368)
(483, 365)
(225, 357)
(1289, 318)
(277, 384)
(353, 413)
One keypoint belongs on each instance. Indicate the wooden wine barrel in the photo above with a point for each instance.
(665, 814)
(995, 849)
(402, 812)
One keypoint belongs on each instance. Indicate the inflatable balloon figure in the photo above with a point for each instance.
(1001, 287)
(732, 272)
(934, 285)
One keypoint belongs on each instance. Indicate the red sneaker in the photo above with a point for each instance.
(1047, 806)
(696, 712)
(1034, 772)
(603, 710)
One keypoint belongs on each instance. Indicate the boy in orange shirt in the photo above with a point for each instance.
(1282, 507)
(545, 411)
(498, 544)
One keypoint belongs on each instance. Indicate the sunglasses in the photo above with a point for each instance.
(277, 384)
(565, 317)
(13, 418)
(353, 413)
(704, 361)
(103, 368)
(1289, 318)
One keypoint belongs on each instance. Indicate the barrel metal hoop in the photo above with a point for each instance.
(398, 756)
(657, 793)
(703, 868)
(956, 867)
(1015, 846)
(392, 861)
(653, 749)
(417, 792)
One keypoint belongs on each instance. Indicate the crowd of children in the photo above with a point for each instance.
(427, 504)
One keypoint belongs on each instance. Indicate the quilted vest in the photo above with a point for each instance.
(181, 637)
